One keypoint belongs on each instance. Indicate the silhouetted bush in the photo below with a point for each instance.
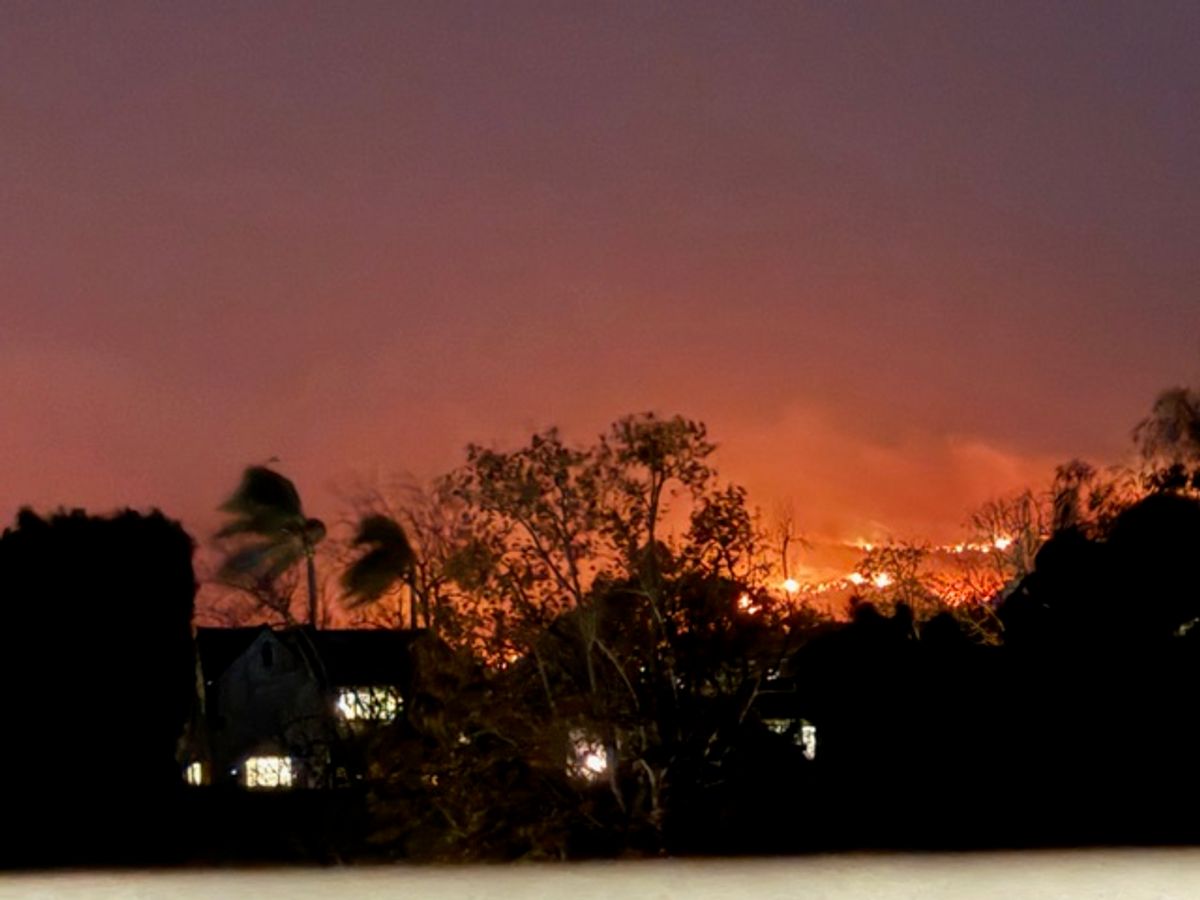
(97, 678)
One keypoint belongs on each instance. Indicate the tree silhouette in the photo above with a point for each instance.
(97, 679)
(266, 510)
(1169, 441)
(389, 561)
(600, 626)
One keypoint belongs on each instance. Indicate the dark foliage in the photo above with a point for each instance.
(98, 678)
(666, 705)
(1079, 729)
(272, 534)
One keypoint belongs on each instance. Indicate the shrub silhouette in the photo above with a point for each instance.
(97, 677)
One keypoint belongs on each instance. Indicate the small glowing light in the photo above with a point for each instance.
(808, 740)
(1002, 543)
(744, 601)
(195, 773)
(509, 658)
(882, 580)
(589, 758)
(855, 578)
(791, 585)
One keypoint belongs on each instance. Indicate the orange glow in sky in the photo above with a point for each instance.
(900, 259)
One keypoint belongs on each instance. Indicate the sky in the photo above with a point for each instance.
(901, 257)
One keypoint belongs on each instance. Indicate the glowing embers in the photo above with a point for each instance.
(746, 604)
(1000, 542)
(588, 757)
(369, 704)
(268, 772)
(194, 773)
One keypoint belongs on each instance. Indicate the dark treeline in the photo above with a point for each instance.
(587, 682)
(97, 677)
(1078, 728)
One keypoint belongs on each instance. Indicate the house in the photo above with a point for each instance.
(292, 708)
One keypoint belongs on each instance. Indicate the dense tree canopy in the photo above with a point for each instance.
(635, 616)
(608, 662)
(98, 679)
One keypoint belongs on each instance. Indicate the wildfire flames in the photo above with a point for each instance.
(954, 584)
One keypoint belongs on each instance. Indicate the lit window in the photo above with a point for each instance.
(194, 774)
(374, 704)
(588, 758)
(808, 740)
(268, 772)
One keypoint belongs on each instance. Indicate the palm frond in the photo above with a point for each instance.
(384, 531)
(264, 559)
(264, 494)
(369, 578)
(312, 532)
(389, 561)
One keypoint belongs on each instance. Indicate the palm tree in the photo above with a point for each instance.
(389, 561)
(266, 507)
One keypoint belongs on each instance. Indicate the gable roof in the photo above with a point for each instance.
(219, 647)
(359, 657)
(341, 657)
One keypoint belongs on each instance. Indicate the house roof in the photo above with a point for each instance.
(363, 657)
(340, 657)
(219, 647)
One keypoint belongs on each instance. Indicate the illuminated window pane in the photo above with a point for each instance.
(194, 773)
(808, 740)
(373, 704)
(268, 772)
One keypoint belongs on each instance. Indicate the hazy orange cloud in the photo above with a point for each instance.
(844, 484)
